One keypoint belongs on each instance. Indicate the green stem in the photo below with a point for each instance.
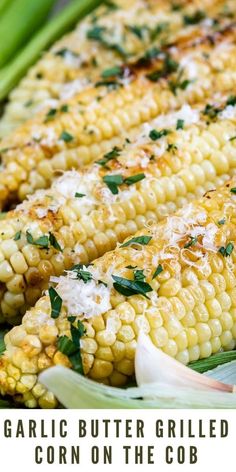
(203, 365)
(65, 20)
(19, 22)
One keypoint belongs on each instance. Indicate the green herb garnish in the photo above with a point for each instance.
(233, 190)
(198, 16)
(158, 271)
(131, 287)
(155, 135)
(191, 242)
(226, 251)
(50, 114)
(144, 240)
(222, 222)
(71, 347)
(113, 181)
(82, 274)
(17, 236)
(139, 275)
(180, 124)
(115, 71)
(231, 100)
(66, 137)
(115, 152)
(133, 179)
(56, 302)
(54, 243)
(79, 195)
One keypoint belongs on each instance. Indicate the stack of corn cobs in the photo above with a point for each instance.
(118, 158)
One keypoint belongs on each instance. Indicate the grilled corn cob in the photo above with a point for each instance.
(91, 123)
(87, 212)
(175, 281)
(107, 37)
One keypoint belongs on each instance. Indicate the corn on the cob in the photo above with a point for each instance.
(175, 281)
(77, 133)
(76, 61)
(89, 211)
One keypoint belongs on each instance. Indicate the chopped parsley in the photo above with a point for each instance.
(231, 100)
(133, 179)
(64, 108)
(226, 251)
(158, 271)
(66, 137)
(50, 114)
(211, 111)
(172, 147)
(115, 152)
(138, 31)
(82, 274)
(149, 56)
(97, 34)
(144, 240)
(112, 84)
(54, 243)
(64, 51)
(222, 222)
(233, 190)
(113, 181)
(43, 241)
(198, 16)
(139, 275)
(233, 138)
(131, 287)
(56, 302)
(155, 135)
(180, 124)
(71, 347)
(79, 195)
(169, 66)
(178, 83)
(191, 242)
(17, 236)
(115, 71)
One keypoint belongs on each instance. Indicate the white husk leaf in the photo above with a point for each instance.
(154, 366)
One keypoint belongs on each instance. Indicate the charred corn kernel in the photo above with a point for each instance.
(84, 131)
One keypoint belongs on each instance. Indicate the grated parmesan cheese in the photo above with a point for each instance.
(83, 299)
(228, 113)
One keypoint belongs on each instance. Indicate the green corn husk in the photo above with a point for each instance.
(75, 391)
(18, 23)
(4, 4)
(63, 22)
(2, 344)
(203, 365)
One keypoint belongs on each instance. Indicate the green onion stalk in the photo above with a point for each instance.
(63, 22)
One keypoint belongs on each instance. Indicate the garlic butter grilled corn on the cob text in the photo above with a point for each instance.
(175, 281)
